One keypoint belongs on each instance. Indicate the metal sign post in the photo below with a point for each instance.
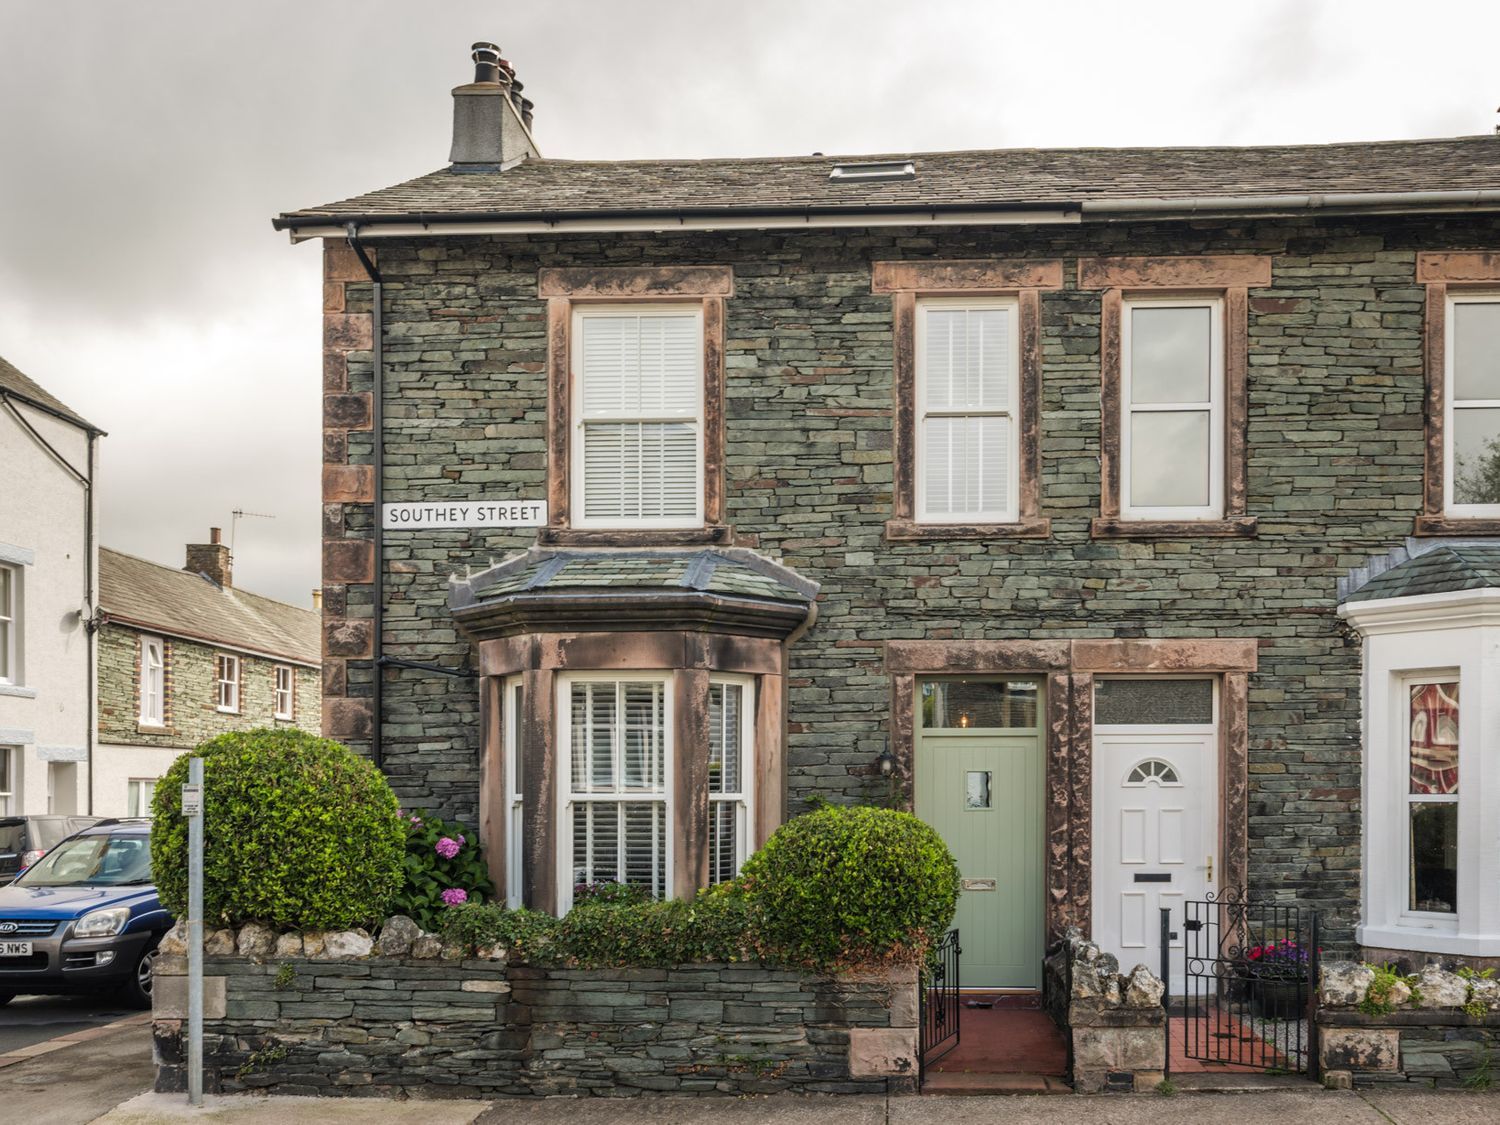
(192, 808)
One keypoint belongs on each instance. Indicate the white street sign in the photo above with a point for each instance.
(427, 515)
(192, 799)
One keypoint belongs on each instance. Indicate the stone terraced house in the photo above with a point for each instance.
(184, 655)
(1132, 515)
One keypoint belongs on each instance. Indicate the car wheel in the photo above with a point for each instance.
(137, 987)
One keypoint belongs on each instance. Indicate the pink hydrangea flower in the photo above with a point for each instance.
(455, 896)
(448, 847)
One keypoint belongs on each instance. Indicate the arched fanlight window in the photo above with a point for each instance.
(1153, 771)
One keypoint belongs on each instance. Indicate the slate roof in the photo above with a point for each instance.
(715, 572)
(1441, 570)
(182, 604)
(972, 179)
(14, 382)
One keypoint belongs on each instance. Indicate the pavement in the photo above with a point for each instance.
(76, 1083)
(1279, 1107)
(27, 1020)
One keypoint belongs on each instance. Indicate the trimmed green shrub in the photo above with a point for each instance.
(443, 868)
(300, 832)
(843, 886)
(605, 932)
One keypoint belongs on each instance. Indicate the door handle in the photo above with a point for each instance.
(1210, 869)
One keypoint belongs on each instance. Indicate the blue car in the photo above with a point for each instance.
(85, 917)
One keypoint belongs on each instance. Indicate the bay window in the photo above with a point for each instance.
(730, 709)
(616, 737)
(1431, 866)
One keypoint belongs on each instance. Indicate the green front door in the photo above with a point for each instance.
(981, 788)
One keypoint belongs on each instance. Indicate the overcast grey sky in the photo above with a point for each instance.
(145, 145)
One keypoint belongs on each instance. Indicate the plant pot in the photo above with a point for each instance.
(1279, 999)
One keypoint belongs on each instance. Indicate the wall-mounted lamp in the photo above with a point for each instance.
(963, 718)
(886, 763)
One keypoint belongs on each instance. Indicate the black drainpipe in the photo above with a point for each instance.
(377, 421)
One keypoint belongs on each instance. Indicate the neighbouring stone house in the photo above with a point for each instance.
(184, 655)
(1021, 487)
(49, 457)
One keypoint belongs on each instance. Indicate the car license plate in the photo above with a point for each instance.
(15, 949)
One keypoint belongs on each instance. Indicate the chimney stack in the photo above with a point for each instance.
(210, 559)
(317, 599)
(491, 120)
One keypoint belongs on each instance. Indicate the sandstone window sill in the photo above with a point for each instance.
(18, 691)
(1447, 525)
(714, 535)
(1029, 527)
(1237, 527)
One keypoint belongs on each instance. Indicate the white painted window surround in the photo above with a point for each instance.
(10, 624)
(967, 442)
(1446, 637)
(153, 674)
(1172, 404)
(637, 416)
(284, 691)
(228, 682)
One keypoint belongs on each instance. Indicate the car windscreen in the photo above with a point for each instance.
(93, 861)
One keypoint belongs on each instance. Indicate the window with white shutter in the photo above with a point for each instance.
(967, 392)
(730, 708)
(637, 414)
(617, 735)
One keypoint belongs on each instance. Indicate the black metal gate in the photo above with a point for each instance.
(938, 990)
(1248, 987)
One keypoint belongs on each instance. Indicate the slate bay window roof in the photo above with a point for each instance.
(1444, 569)
(1043, 183)
(728, 590)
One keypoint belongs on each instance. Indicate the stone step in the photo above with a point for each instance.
(978, 1084)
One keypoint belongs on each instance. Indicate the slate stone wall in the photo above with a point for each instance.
(1335, 459)
(476, 1028)
(191, 680)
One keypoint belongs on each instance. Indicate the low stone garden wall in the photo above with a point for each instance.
(1114, 1022)
(338, 1014)
(1432, 1028)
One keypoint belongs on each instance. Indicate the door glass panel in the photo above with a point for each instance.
(977, 789)
(959, 704)
(1476, 455)
(1476, 350)
(1153, 702)
(1169, 459)
(1433, 879)
(1170, 354)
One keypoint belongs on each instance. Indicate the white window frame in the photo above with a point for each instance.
(11, 624)
(744, 798)
(1450, 405)
(146, 788)
(231, 682)
(511, 695)
(10, 765)
(1011, 413)
(577, 421)
(290, 691)
(1401, 743)
(1214, 509)
(567, 800)
(153, 694)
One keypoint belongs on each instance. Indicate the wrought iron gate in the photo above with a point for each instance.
(938, 990)
(1248, 988)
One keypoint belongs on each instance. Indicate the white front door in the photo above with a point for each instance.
(1155, 832)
